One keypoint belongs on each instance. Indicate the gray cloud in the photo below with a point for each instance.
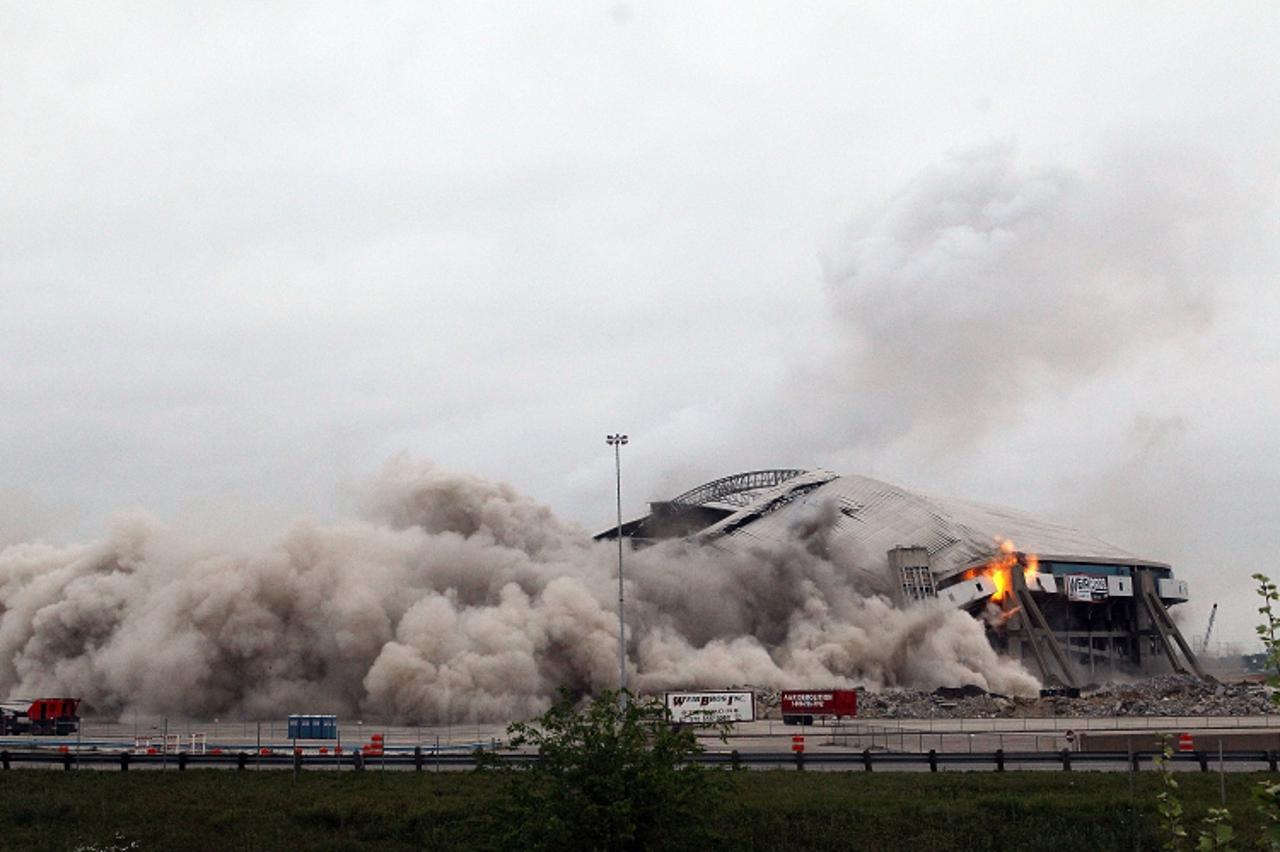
(984, 283)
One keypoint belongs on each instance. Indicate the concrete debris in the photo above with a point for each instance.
(1164, 695)
(951, 692)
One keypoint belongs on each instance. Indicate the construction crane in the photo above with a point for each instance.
(1208, 631)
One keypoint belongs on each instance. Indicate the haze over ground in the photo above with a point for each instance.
(1020, 255)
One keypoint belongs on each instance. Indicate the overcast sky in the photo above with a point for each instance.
(1002, 251)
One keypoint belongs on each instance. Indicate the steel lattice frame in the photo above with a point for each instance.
(725, 488)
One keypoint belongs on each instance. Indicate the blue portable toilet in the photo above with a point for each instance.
(313, 726)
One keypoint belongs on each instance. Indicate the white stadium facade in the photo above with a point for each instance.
(1070, 606)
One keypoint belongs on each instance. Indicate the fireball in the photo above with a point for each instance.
(1000, 569)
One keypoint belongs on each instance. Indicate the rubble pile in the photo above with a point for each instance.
(1165, 695)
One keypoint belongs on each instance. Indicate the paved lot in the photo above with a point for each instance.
(881, 736)
(977, 735)
(251, 736)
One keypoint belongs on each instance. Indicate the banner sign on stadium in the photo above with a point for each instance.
(721, 706)
(1087, 588)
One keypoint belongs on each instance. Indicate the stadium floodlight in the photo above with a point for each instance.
(616, 441)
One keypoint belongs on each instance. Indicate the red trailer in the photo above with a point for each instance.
(802, 706)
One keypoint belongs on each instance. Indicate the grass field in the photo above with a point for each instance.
(215, 809)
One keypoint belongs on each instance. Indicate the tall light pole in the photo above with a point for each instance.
(616, 441)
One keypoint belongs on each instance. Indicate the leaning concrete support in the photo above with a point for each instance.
(1167, 632)
(1035, 621)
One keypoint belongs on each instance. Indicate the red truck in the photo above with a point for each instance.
(44, 716)
(802, 706)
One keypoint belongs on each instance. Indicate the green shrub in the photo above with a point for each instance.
(609, 776)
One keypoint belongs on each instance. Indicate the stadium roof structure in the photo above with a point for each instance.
(869, 518)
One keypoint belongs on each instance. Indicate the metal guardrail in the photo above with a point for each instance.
(419, 759)
(997, 760)
(1047, 724)
(866, 760)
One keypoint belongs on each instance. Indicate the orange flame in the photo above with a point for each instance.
(1001, 577)
(1031, 569)
(1000, 569)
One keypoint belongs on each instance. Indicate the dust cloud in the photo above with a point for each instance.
(983, 282)
(454, 599)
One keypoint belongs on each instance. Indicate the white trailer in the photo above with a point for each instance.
(711, 706)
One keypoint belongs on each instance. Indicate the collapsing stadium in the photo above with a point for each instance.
(1070, 606)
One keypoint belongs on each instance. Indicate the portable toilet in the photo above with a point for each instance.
(313, 726)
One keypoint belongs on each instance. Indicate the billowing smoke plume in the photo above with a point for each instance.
(983, 283)
(458, 599)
